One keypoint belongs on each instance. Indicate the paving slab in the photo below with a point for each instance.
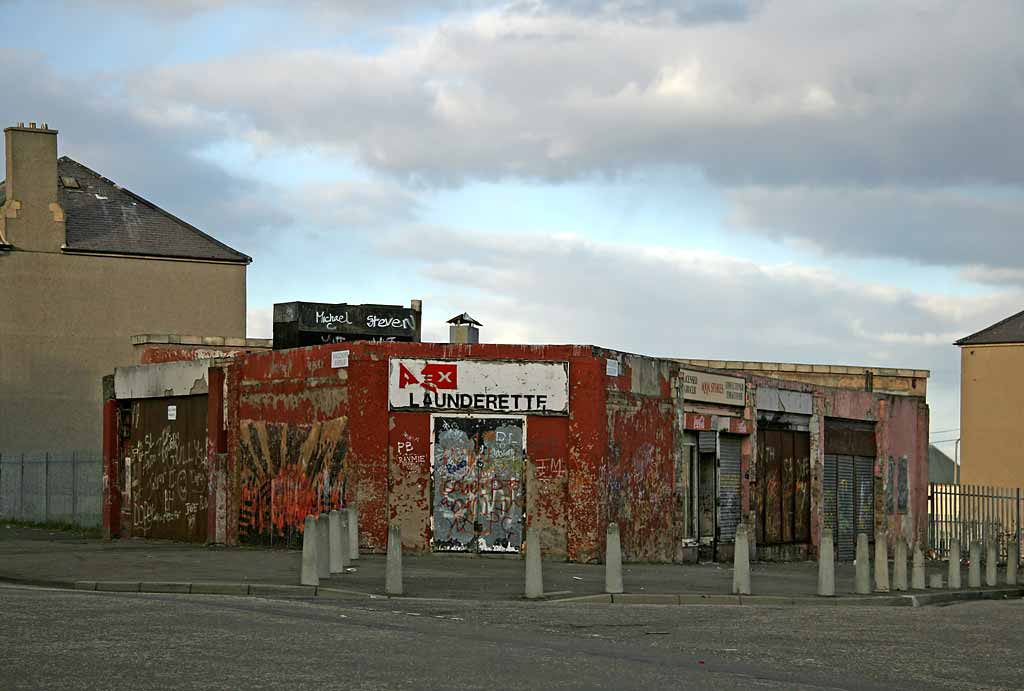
(118, 586)
(164, 587)
(220, 589)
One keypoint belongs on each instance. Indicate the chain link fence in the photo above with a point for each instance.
(52, 488)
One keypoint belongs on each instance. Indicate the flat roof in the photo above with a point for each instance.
(804, 368)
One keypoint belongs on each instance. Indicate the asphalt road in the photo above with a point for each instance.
(57, 639)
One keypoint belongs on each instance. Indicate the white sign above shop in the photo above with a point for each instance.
(479, 386)
(713, 388)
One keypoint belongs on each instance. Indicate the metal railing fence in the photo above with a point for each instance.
(973, 512)
(52, 488)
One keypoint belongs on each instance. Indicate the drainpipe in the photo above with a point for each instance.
(956, 457)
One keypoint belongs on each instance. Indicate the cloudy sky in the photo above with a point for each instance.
(752, 179)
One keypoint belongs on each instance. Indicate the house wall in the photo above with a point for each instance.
(991, 415)
(68, 321)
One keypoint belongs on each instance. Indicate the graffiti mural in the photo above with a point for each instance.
(478, 466)
(286, 472)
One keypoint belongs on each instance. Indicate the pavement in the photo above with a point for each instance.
(66, 559)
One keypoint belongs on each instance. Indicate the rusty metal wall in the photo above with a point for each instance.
(784, 506)
(167, 469)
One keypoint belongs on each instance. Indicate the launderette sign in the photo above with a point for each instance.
(536, 388)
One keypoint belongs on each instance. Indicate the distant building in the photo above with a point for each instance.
(941, 468)
(992, 404)
(86, 265)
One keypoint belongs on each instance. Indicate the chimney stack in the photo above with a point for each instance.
(31, 217)
(464, 329)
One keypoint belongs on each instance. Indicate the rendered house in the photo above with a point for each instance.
(86, 265)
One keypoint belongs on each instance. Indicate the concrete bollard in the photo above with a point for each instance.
(991, 566)
(974, 569)
(323, 546)
(741, 562)
(899, 566)
(917, 574)
(954, 564)
(534, 570)
(353, 533)
(337, 538)
(393, 568)
(936, 581)
(309, 543)
(613, 560)
(881, 562)
(826, 565)
(1012, 560)
(862, 576)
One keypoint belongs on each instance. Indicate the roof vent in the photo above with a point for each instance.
(464, 329)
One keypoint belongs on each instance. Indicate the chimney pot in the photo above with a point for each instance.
(46, 126)
(21, 124)
(31, 125)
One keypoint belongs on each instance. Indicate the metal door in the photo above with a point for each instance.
(729, 480)
(167, 468)
(848, 500)
(478, 464)
(784, 471)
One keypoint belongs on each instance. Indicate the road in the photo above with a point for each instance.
(58, 639)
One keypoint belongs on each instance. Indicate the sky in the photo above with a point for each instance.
(772, 180)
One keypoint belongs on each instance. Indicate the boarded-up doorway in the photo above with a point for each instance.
(167, 472)
(478, 464)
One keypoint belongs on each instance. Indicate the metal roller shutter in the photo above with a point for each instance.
(845, 539)
(864, 472)
(707, 442)
(729, 475)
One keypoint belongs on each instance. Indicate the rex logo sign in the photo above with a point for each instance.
(433, 376)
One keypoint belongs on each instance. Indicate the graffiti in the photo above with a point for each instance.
(549, 468)
(286, 472)
(407, 457)
(168, 483)
(478, 490)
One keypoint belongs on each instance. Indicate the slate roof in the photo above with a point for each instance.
(102, 216)
(1009, 330)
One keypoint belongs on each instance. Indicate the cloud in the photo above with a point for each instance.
(668, 302)
(943, 226)
(894, 91)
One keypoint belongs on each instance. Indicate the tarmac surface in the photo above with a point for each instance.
(66, 639)
(60, 558)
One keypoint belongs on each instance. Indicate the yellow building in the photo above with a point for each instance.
(84, 266)
(992, 405)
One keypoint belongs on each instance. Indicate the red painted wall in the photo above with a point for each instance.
(303, 437)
